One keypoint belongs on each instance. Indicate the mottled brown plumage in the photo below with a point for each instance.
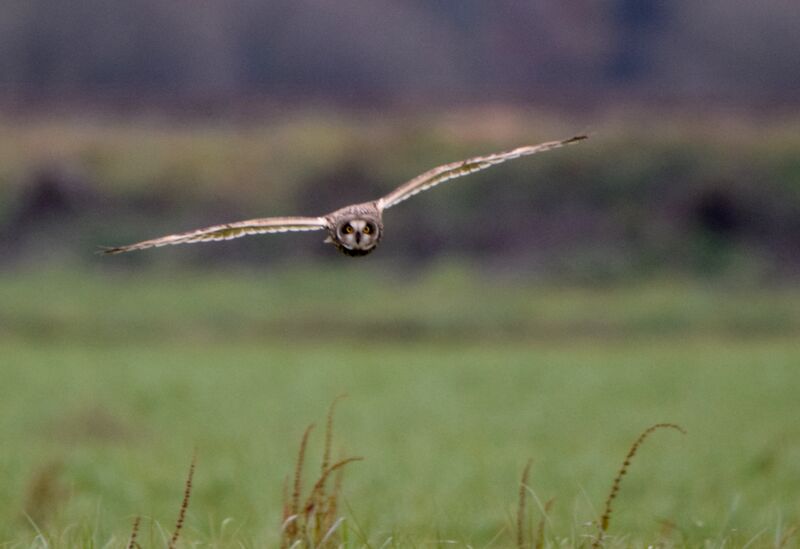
(357, 229)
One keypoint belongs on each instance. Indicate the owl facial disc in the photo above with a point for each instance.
(356, 236)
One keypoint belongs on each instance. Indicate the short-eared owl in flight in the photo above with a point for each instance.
(356, 229)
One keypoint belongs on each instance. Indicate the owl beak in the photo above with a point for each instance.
(358, 237)
(328, 240)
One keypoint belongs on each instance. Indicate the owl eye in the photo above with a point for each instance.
(367, 229)
(348, 229)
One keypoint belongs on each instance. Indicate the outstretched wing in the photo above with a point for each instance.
(230, 231)
(457, 169)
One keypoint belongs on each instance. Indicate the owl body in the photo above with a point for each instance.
(354, 230)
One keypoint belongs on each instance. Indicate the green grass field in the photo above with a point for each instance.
(111, 380)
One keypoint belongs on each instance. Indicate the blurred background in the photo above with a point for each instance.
(647, 195)
(554, 305)
(125, 119)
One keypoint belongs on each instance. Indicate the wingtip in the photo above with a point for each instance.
(109, 250)
(576, 138)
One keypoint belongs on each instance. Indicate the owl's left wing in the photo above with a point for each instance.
(229, 231)
(444, 173)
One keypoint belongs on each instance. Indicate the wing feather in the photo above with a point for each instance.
(229, 231)
(444, 173)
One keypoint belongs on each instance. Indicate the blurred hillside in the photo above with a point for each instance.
(715, 197)
(377, 52)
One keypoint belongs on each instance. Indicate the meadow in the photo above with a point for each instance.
(114, 377)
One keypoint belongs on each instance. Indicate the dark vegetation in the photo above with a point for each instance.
(708, 199)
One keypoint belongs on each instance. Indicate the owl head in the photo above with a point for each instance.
(356, 235)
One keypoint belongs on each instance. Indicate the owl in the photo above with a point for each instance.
(354, 230)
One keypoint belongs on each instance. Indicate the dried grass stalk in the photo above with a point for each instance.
(605, 519)
(134, 532)
(523, 496)
(187, 492)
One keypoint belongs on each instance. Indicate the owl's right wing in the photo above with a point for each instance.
(444, 173)
(229, 231)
